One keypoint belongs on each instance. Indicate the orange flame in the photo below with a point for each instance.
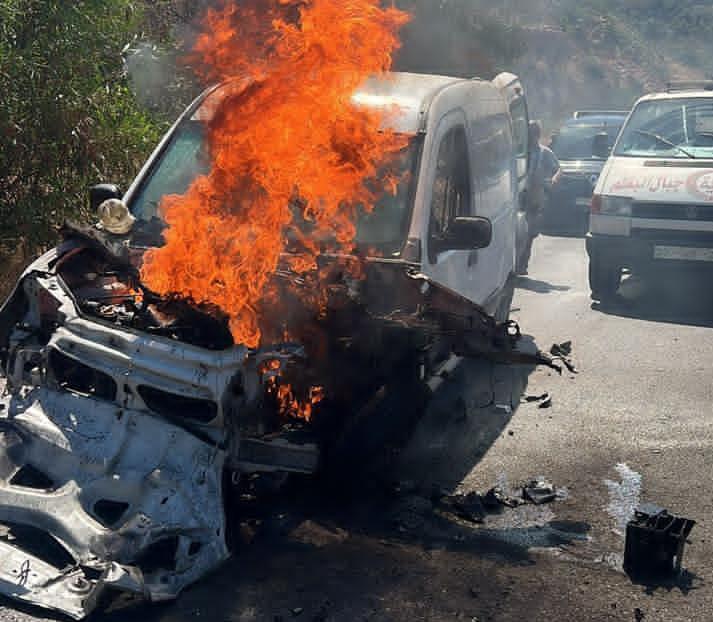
(290, 406)
(286, 133)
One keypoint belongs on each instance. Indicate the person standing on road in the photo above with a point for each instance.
(544, 172)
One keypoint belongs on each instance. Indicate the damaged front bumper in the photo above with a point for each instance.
(93, 496)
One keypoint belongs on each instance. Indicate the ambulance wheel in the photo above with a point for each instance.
(604, 279)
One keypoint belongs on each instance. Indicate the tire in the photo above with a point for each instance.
(604, 279)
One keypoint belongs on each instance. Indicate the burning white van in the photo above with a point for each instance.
(123, 409)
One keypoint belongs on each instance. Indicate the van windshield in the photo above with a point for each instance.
(575, 142)
(382, 231)
(669, 128)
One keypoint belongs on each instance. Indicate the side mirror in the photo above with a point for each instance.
(600, 146)
(102, 192)
(469, 234)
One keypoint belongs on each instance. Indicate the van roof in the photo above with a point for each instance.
(409, 94)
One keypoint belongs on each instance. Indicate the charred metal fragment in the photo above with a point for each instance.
(113, 247)
(655, 543)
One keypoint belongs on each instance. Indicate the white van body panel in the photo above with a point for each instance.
(478, 275)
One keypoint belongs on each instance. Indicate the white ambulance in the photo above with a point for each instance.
(653, 205)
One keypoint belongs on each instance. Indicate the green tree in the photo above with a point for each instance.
(67, 117)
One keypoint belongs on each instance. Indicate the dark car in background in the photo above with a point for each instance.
(575, 145)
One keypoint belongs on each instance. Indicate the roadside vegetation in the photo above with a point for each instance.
(68, 117)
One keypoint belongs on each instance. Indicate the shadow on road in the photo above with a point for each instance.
(469, 413)
(686, 582)
(669, 298)
(539, 287)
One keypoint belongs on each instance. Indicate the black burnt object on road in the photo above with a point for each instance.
(655, 542)
(539, 491)
(474, 507)
(563, 352)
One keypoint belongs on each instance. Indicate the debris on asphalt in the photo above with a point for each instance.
(474, 506)
(561, 349)
(469, 507)
(316, 535)
(563, 352)
(655, 542)
(539, 491)
(546, 403)
(545, 400)
(537, 398)
(496, 497)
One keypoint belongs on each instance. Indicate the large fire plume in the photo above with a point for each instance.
(286, 144)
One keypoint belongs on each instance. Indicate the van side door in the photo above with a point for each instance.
(453, 193)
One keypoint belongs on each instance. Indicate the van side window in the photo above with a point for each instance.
(452, 195)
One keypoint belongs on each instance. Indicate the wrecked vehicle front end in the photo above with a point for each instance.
(122, 412)
(112, 450)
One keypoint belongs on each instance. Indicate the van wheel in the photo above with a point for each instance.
(604, 279)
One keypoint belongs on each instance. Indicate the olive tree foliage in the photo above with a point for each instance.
(67, 116)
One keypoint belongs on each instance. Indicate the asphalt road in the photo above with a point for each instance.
(635, 424)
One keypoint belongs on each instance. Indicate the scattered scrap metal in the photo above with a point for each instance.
(563, 352)
(474, 507)
(539, 491)
(545, 400)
